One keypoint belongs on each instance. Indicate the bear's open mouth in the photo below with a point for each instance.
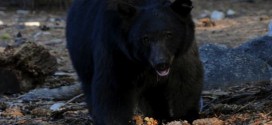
(162, 69)
(163, 72)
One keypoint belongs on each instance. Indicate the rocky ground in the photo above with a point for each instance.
(249, 103)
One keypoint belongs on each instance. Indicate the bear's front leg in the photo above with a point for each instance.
(112, 103)
(184, 102)
(184, 92)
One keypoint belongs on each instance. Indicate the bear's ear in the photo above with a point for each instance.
(126, 10)
(182, 7)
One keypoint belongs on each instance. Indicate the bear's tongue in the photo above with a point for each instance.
(164, 72)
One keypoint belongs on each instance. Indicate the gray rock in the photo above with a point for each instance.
(270, 29)
(217, 15)
(231, 12)
(259, 48)
(22, 12)
(57, 106)
(225, 67)
(210, 50)
(205, 13)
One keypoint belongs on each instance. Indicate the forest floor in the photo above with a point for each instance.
(237, 105)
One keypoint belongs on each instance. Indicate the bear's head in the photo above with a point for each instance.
(159, 31)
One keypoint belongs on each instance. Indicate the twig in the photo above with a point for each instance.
(74, 98)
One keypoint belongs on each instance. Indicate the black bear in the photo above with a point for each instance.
(135, 55)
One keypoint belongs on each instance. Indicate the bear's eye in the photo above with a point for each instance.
(168, 34)
(145, 40)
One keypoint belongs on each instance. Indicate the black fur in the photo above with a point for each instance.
(121, 50)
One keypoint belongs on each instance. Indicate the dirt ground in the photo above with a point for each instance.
(238, 105)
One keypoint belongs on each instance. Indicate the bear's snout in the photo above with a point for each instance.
(161, 59)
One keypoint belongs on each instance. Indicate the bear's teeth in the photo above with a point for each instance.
(163, 73)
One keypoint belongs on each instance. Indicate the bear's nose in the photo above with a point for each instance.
(162, 66)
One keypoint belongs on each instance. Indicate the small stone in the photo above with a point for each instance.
(217, 15)
(22, 12)
(56, 106)
(205, 14)
(1, 22)
(231, 12)
(52, 19)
